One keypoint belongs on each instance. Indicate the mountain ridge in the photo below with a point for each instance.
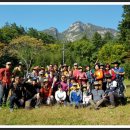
(77, 30)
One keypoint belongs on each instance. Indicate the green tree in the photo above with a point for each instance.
(26, 49)
(124, 26)
(111, 52)
(97, 40)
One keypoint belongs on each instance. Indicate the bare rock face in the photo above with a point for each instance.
(77, 30)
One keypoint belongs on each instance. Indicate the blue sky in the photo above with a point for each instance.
(42, 17)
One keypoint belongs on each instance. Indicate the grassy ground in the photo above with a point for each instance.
(56, 115)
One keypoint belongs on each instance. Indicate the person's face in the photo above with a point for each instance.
(8, 66)
(88, 68)
(63, 78)
(45, 84)
(96, 67)
(84, 89)
(108, 79)
(115, 65)
(17, 80)
(75, 66)
(80, 70)
(96, 87)
(33, 82)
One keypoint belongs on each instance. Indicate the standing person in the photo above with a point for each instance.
(90, 76)
(5, 81)
(81, 77)
(75, 70)
(110, 71)
(19, 70)
(98, 74)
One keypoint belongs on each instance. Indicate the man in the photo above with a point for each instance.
(5, 80)
(112, 91)
(119, 71)
(97, 96)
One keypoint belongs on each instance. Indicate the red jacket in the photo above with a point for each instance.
(46, 91)
(5, 76)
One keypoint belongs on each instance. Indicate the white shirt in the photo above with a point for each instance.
(60, 95)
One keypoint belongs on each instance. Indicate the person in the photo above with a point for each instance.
(98, 97)
(75, 96)
(98, 75)
(108, 70)
(81, 76)
(120, 72)
(111, 92)
(29, 92)
(60, 95)
(90, 76)
(45, 95)
(75, 70)
(18, 70)
(5, 81)
(86, 95)
(17, 94)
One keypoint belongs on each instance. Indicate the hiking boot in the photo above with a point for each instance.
(11, 109)
(76, 107)
(36, 107)
(111, 106)
(97, 108)
(0, 108)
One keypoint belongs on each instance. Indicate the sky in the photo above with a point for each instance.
(61, 17)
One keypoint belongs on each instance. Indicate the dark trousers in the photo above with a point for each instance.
(112, 96)
(15, 100)
(4, 91)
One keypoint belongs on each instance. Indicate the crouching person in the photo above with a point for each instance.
(16, 96)
(111, 92)
(86, 95)
(60, 95)
(45, 95)
(97, 96)
(75, 96)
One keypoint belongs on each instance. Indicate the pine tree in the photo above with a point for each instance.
(124, 25)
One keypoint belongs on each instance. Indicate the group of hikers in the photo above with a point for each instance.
(88, 87)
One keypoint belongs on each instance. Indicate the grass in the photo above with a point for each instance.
(56, 115)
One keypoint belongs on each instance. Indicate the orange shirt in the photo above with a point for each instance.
(98, 74)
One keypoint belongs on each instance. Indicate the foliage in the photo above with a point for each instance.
(26, 49)
(124, 26)
(111, 52)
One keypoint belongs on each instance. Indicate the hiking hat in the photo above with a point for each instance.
(75, 64)
(96, 83)
(115, 62)
(108, 76)
(8, 63)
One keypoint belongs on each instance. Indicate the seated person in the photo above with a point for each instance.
(112, 91)
(86, 95)
(60, 95)
(75, 96)
(16, 96)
